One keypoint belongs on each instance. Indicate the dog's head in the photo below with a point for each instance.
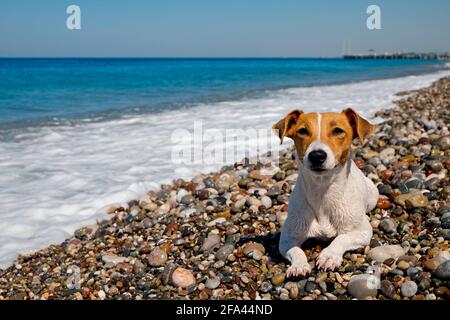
(323, 140)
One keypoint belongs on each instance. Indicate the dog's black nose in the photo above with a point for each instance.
(317, 157)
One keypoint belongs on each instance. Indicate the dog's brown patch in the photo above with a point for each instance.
(337, 130)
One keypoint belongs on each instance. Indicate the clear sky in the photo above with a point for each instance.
(220, 28)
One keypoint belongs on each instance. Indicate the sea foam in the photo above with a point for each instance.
(54, 180)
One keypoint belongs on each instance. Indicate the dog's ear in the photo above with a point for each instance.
(361, 127)
(285, 125)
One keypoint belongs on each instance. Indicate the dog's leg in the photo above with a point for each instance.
(290, 249)
(331, 257)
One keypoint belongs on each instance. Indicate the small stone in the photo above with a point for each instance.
(265, 287)
(138, 267)
(224, 252)
(101, 294)
(388, 226)
(212, 283)
(113, 291)
(113, 260)
(443, 271)
(251, 246)
(403, 265)
(383, 203)
(82, 233)
(183, 278)
(266, 202)
(408, 289)
(374, 243)
(431, 264)
(310, 286)
(211, 242)
(157, 257)
(284, 296)
(362, 286)
(385, 189)
(293, 292)
(441, 291)
(412, 200)
(167, 272)
(434, 165)
(204, 194)
(387, 154)
(257, 255)
(387, 288)
(187, 199)
(278, 279)
(424, 284)
(321, 277)
(384, 252)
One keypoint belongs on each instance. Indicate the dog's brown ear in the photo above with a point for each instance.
(285, 125)
(361, 127)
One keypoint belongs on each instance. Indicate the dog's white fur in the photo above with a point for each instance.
(329, 204)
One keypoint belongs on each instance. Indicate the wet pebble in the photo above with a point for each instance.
(182, 278)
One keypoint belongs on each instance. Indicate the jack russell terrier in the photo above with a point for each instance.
(331, 196)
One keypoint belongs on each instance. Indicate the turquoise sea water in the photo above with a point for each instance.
(33, 91)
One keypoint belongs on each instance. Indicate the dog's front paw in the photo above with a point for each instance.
(329, 260)
(298, 269)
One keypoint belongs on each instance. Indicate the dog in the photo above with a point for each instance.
(331, 196)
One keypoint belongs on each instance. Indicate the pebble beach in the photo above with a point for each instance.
(216, 236)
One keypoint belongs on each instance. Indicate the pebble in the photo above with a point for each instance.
(157, 257)
(311, 286)
(211, 242)
(431, 264)
(293, 292)
(101, 294)
(212, 283)
(113, 260)
(266, 287)
(251, 247)
(412, 200)
(383, 203)
(182, 278)
(384, 252)
(408, 289)
(138, 267)
(441, 291)
(224, 251)
(443, 271)
(387, 289)
(387, 154)
(388, 226)
(266, 202)
(278, 279)
(167, 272)
(362, 285)
(403, 265)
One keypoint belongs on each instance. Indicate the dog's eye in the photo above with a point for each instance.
(338, 131)
(303, 132)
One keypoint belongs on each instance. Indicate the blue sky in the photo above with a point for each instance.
(226, 28)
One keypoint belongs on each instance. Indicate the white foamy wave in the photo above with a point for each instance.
(61, 178)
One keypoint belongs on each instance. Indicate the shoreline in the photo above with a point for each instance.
(83, 170)
(203, 227)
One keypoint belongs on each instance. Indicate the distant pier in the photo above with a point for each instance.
(399, 56)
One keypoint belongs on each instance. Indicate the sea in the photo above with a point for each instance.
(79, 135)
